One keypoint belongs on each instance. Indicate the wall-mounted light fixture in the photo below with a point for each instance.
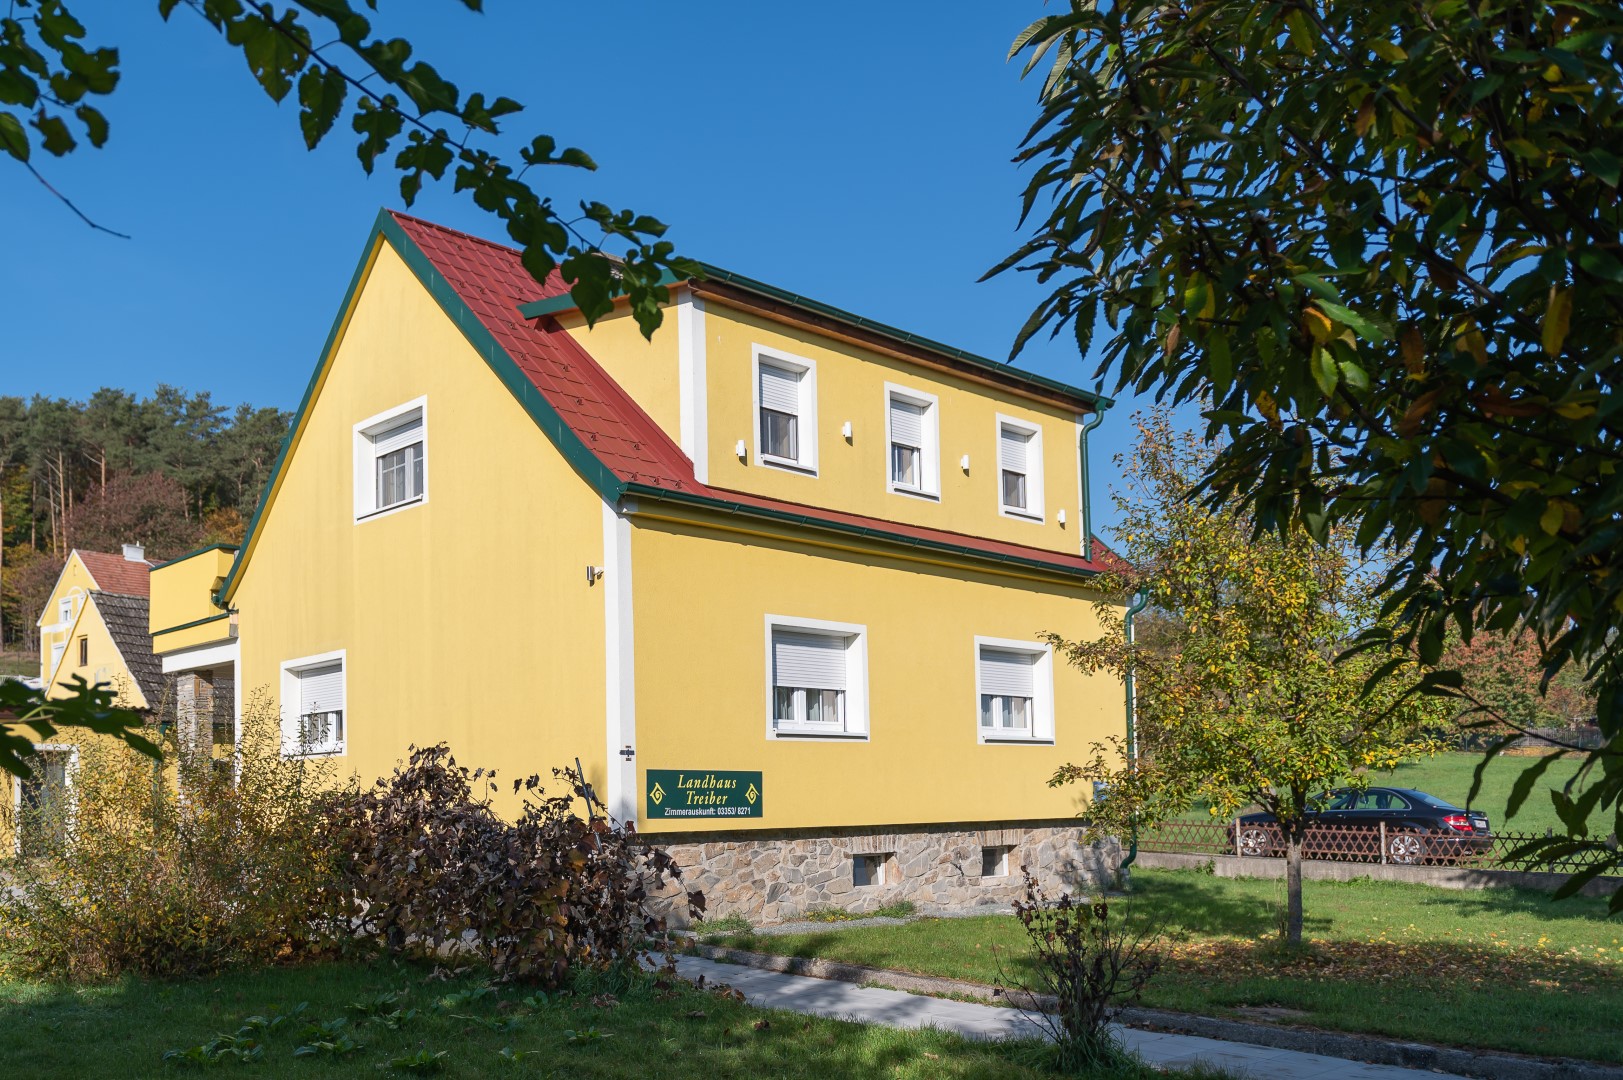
(741, 450)
(1061, 517)
(593, 575)
(963, 463)
(845, 430)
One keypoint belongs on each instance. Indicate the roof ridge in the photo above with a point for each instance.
(400, 215)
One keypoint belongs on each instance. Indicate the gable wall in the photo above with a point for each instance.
(466, 619)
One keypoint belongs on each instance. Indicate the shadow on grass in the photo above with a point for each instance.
(651, 1030)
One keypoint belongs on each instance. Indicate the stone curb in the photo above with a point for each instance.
(1365, 1048)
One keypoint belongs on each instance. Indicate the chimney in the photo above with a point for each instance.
(135, 553)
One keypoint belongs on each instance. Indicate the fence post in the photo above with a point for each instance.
(1383, 843)
(1237, 850)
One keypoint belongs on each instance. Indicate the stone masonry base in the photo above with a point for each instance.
(776, 876)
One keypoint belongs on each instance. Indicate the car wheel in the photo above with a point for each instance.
(1254, 841)
(1405, 849)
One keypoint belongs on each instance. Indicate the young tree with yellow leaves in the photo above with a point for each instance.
(1240, 698)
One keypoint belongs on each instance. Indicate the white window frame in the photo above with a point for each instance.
(806, 419)
(366, 460)
(67, 784)
(1004, 858)
(1042, 687)
(64, 609)
(856, 676)
(1033, 510)
(290, 670)
(929, 454)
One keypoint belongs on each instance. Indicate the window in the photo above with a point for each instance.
(57, 650)
(1020, 469)
(64, 609)
(786, 411)
(1014, 691)
(43, 804)
(391, 460)
(84, 651)
(871, 870)
(816, 679)
(995, 861)
(313, 705)
(912, 435)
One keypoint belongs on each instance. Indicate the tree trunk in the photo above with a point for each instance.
(1293, 883)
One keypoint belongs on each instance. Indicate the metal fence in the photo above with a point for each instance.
(1362, 843)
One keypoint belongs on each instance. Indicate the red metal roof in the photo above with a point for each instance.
(116, 574)
(492, 282)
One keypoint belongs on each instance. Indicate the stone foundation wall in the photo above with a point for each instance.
(778, 876)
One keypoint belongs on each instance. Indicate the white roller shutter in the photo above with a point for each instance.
(906, 423)
(780, 389)
(1007, 673)
(1014, 449)
(401, 435)
(321, 688)
(812, 661)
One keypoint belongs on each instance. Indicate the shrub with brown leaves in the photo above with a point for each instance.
(432, 868)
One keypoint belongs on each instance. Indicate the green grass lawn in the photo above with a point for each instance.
(125, 1028)
(1496, 968)
(1448, 776)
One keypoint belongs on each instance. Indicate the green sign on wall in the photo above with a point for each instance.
(703, 793)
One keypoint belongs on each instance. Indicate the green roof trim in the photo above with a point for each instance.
(809, 521)
(387, 229)
(553, 305)
(591, 468)
(194, 622)
(205, 549)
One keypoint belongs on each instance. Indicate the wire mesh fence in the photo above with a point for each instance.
(1377, 843)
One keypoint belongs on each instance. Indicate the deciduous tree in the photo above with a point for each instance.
(1239, 697)
(1383, 240)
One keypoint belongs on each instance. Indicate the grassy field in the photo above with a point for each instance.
(1448, 776)
(18, 664)
(124, 1029)
(1495, 968)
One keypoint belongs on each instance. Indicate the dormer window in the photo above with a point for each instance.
(786, 411)
(391, 460)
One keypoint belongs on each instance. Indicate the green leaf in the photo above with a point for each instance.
(13, 137)
(1361, 326)
(321, 98)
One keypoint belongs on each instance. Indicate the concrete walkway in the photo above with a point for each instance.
(894, 1008)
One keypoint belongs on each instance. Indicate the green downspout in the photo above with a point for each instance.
(1141, 600)
(1094, 420)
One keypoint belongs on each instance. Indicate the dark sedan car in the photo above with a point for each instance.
(1395, 825)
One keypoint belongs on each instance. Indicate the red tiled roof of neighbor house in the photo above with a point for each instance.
(116, 574)
(492, 282)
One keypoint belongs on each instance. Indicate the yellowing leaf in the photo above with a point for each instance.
(1387, 51)
(1557, 320)
(1550, 520)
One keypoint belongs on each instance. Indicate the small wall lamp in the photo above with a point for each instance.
(593, 574)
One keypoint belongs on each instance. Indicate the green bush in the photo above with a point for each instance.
(176, 868)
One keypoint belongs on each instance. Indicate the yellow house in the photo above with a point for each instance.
(93, 627)
(779, 580)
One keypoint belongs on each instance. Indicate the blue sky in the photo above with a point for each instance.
(856, 153)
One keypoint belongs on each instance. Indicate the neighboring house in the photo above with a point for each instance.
(779, 579)
(94, 626)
